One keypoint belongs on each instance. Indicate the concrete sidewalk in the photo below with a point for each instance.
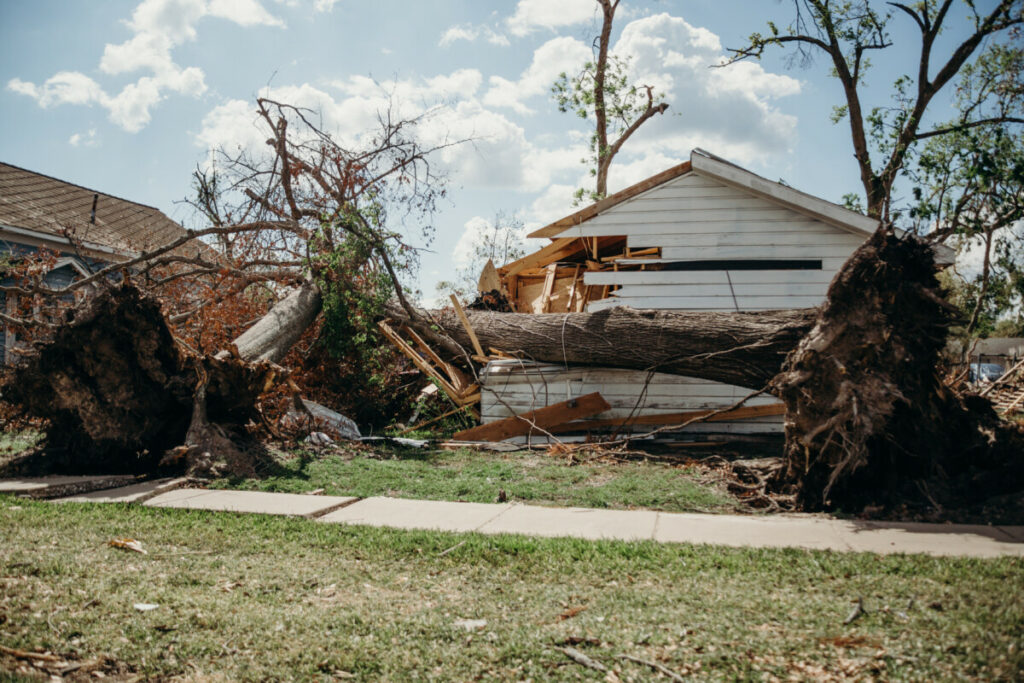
(750, 531)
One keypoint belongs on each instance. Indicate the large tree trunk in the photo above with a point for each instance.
(745, 349)
(276, 332)
(869, 421)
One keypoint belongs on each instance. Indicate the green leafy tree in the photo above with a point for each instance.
(602, 90)
(848, 32)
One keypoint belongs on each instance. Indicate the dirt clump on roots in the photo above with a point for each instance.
(870, 424)
(121, 395)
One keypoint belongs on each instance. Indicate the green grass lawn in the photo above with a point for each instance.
(248, 597)
(479, 476)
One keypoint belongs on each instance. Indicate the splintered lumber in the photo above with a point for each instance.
(743, 349)
(536, 420)
(489, 278)
(743, 413)
(465, 323)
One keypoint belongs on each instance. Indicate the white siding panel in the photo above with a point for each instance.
(767, 238)
(509, 389)
(703, 277)
(780, 251)
(741, 291)
(708, 303)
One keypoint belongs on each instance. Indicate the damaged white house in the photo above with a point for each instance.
(704, 235)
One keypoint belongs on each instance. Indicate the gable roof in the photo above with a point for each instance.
(706, 164)
(45, 206)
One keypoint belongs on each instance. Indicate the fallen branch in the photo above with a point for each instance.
(583, 660)
(654, 665)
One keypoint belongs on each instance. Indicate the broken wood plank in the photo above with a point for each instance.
(540, 419)
(489, 279)
(418, 360)
(465, 323)
(743, 413)
(549, 286)
(456, 377)
(431, 421)
(552, 252)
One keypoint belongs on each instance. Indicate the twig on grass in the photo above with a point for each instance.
(453, 548)
(583, 660)
(35, 656)
(654, 665)
(858, 611)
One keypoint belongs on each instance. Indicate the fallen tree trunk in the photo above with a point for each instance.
(276, 332)
(745, 349)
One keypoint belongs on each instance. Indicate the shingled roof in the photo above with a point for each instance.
(48, 206)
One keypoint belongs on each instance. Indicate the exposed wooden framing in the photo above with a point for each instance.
(552, 252)
(465, 323)
(457, 377)
(549, 285)
(743, 413)
(452, 381)
(525, 423)
(572, 290)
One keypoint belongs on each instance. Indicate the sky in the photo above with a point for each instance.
(127, 97)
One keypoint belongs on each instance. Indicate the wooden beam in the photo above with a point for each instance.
(457, 378)
(520, 425)
(465, 324)
(418, 360)
(742, 413)
(553, 252)
(549, 286)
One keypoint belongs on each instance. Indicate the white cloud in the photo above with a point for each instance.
(87, 140)
(729, 111)
(244, 12)
(471, 33)
(64, 87)
(324, 5)
(479, 147)
(531, 15)
(551, 59)
(158, 27)
(462, 254)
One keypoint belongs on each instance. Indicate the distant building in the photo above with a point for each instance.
(87, 229)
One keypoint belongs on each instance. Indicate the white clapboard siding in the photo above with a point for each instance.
(775, 252)
(702, 277)
(509, 388)
(740, 291)
(811, 237)
(708, 303)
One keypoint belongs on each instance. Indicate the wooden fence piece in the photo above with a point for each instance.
(519, 425)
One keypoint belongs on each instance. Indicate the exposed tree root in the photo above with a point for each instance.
(120, 394)
(868, 420)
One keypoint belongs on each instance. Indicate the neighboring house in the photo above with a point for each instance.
(704, 235)
(87, 229)
(1005, 351)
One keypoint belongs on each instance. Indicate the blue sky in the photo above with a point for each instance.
(127, 96)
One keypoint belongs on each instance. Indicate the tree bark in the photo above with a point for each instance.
(744, 349)
(276, 332)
